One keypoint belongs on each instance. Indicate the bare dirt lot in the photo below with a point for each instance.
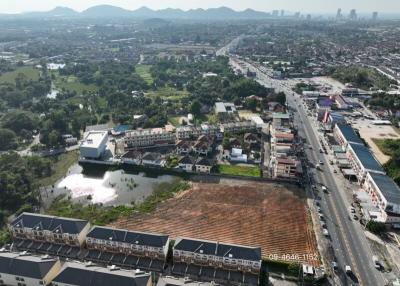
(271, 216)
(368, 131)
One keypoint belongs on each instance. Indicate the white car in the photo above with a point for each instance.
(348, 269)
(325, 232)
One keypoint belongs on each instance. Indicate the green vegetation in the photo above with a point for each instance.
(95, 213)
(364, 78)
(375, 227)
(72, 84)
(391, 147)
(168, 93)
(388, 146)
(60, 166)
(162, 192)
(18, 185)
(100, 215)
(26, 72)
(239, 170)
(282, 267)
(144, 72)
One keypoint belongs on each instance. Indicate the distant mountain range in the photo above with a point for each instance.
(108, 11)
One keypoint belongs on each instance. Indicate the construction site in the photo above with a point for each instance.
(269, 215)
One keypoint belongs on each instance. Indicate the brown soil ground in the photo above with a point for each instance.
(271, 216)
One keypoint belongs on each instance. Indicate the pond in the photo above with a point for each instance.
(106, 187)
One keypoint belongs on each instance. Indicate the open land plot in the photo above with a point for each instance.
(238, 170)
(272, 216)
(72, 83)
(30, 73)
(144, 72)
(168, 93)
(369, 132)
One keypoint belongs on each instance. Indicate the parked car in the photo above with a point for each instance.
(334, 265)
(348, 270)
(325, 232)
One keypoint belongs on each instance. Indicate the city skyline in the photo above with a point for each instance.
(308, 6)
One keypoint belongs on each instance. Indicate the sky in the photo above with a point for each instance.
(306, 6)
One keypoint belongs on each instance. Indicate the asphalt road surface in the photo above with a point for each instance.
(346, 237)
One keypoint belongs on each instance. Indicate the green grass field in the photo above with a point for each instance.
(168, 93)
(144, 72)
(72, 83)
(30, 72)
(388, 146)
(60, 167)
(239, 170)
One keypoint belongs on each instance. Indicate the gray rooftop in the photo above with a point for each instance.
(83, 275)
(50, 223)
(25, 265)
(389, 189)
(218, 249)
(349, 134)
(366, 158)
(131, 237)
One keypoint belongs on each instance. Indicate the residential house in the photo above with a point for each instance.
(78, 274)
(235, 143)
(225, 109)
(149, 137)
(203, 165)
(125, 248)
(153, 159)
(132, 157)
(275, 107)
(251, 138)
(22, 269)
(183, 147)
(203, 145)
(287, 167)
(238, 127)
(216, 261)
(186, 163)
(237, 156)
(49, 229)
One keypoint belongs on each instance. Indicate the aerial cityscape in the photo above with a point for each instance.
(186, 145)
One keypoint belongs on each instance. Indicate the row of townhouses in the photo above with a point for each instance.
(167, 136)
(283, 161)
(383, 191)
(75, 239)
(24, 269)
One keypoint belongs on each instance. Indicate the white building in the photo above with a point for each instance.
(362, 161)
(20, 269)
(385, 195)
(237, 156)
(94, 144)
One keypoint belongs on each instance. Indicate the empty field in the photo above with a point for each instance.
(271, 216)
(144, 72)
(237, 170)
(30, 73)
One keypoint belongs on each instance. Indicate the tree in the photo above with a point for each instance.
(54, 138)
(375, 227)
(281, 98)
(7, 139)
(195, 108)
(19, 120)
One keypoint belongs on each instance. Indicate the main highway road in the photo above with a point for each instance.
(347, 240)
